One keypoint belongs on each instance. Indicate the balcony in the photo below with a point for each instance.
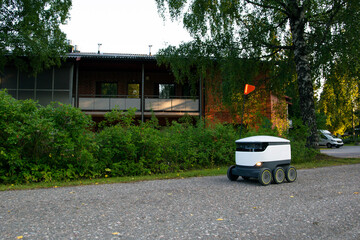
(124, 102)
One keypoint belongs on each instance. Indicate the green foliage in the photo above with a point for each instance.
(43, 143)
(261, 30)
(297, 135)
(144, 149)
(293, 43)
(339, 102)
(116, 116)
(31, 28)
(54, 143)
(321, 120)
(265, 128)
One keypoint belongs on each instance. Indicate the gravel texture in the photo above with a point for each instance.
(323, 203)
(343, 152)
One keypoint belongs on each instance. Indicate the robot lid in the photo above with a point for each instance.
(263, 139)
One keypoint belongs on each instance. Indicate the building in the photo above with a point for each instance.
(97, 83)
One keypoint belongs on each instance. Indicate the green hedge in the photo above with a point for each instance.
(43, 143)
(57, 142)
(138, 150)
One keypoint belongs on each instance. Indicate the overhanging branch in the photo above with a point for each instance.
(266, 6)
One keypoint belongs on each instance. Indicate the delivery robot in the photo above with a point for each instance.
(266, 158)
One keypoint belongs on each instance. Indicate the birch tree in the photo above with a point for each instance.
(297, 38)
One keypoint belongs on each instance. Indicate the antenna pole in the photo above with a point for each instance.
(248, 89)
(150, 46)
(242, 115)
(99, 45)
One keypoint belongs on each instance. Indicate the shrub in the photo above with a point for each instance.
(298, 135)
(147, 149)
(43, 143)
(265, 128)
(15, 117)
(56, 143)
(70, 139)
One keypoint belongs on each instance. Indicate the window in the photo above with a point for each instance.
(106, 89)
(166, 90)
(251, 147)
(133, 90)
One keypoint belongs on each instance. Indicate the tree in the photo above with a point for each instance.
(339, 102)
(291, 37)
(30, 29)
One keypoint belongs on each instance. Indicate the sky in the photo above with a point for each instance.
(121, 26)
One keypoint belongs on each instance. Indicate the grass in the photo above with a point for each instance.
(321, 161)
(180, 175)
(351, 144)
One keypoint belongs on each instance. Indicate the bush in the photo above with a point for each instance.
(15, 117)
(265, 128)
(43, 143)
(56, 143)
(147, 149)
(298, 135)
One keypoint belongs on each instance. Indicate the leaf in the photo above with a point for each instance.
(19, 237)
(219, 219)
(115, 233)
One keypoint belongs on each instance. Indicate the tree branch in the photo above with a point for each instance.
(333, 12)
(268, 6)
(272, 46)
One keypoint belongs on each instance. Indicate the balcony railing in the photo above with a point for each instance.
(152, 103)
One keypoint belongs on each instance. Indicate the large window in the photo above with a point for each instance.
(106, 89)
(49, 85)
(166, 90)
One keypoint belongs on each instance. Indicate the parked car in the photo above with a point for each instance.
(325, 132)
(329, 140)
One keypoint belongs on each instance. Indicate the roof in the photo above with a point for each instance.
(110, 56)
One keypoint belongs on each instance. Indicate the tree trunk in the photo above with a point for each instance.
(305, 84)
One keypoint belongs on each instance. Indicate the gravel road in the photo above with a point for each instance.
(323, 203)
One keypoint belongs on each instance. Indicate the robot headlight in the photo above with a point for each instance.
(258, 164)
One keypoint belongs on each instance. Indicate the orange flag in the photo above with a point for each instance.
(248, 89)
